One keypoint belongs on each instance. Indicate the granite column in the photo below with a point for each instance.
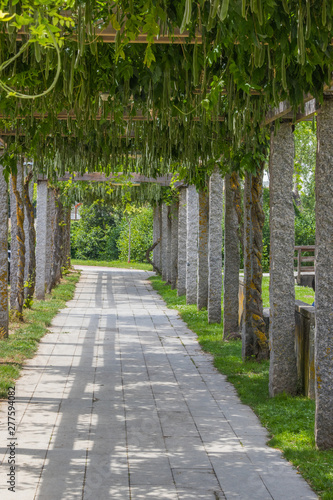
(324, 278)
(283, 371)
(215, 247)
(202, 297)
(182, 237)
(192, 245)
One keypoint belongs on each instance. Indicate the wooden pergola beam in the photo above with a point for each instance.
(285, 110)
(108, 35)
(118, 178)
(64, 115)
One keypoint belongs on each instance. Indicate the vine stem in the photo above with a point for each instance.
(9, 61)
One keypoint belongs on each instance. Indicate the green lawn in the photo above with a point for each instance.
(303, 293)
(113, 263)
(25, 336)
(290, 421)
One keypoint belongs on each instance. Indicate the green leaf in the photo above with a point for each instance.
(114, 22)
(149, 56)
(4, 16)
(224, 10)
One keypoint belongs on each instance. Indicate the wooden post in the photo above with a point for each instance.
(299, 265)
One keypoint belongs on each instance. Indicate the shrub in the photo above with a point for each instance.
(94, 235)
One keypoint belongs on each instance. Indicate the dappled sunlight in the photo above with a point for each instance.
(129, 407)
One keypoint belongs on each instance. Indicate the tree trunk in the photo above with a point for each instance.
(148, 259)
(237, 200)
(14, 241)
(31, 258)
(254, 338)
(3, 256)
(231, 264)
(20, 236)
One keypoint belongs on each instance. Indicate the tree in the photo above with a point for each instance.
(95, 235)
(305, 162)
(136, 234)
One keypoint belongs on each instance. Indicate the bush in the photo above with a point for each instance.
(95, 235)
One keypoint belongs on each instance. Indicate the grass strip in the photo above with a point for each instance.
(24, 338)
(113, 263)
(290, 420)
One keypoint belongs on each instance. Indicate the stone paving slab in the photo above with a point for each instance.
(121, 403)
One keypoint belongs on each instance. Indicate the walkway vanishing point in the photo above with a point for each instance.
(121, 403)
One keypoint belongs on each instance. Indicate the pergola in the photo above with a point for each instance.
(190, 230)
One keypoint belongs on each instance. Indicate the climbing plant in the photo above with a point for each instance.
(152, 107)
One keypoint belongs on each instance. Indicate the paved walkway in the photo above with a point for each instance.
(120, 403)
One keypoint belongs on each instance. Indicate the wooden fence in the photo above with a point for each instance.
(304, 259)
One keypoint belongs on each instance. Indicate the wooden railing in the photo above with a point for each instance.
(304, 258)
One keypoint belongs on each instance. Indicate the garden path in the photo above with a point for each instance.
(121, 403)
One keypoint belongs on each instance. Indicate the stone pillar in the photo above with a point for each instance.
(168, 246)
(254, 338)
(324, 278)
(13, 231)
(192, 245)
(174, 245)
(249, 340)
(283, 369)
(26, 232)
(41, 238)
(51, 221)
(67, 238)
(231, 263)
(157, 235)
(164, 241)
(215, 247)
(202, 297)
(3, 256)
(182, 236)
